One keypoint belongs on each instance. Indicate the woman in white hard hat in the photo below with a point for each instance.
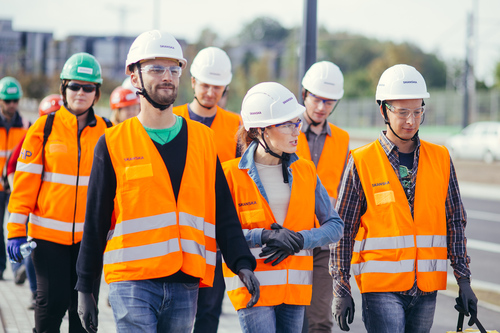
(277, 196)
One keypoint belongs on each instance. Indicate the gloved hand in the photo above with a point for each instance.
(13, 248)
(343, 309)
(275, 253)
(466, 300)
(285, 239)
(87, 311)
(250, 281)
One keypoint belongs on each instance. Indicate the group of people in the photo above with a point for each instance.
(176, 205)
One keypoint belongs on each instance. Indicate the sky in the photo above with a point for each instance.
(437, 26)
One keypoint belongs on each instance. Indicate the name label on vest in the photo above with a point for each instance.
(380, 184)
(241, 204)
(133, 158)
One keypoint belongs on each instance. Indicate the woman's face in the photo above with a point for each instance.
(283, 138)
(80, 96)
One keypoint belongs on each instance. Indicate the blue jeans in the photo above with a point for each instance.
(283, 318)
(396, 313)
(149, 306)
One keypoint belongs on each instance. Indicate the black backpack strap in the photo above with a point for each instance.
(107, 121)
(46, 133)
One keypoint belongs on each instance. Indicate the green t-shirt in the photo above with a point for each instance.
(165, 135)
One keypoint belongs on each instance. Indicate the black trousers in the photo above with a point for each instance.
(55, 267)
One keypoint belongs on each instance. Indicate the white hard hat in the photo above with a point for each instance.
(401, 82)
(212, 66)
(154, 44)
(324, 79)
(269, 103)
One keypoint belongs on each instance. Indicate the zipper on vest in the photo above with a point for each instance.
(79, 133)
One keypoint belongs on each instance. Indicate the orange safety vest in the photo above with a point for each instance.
(9, 140)
(57, 205)
(391, 246)
(332, 160)
(155, 235)
(225, 126)
(290, 281)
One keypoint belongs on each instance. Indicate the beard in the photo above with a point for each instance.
(163, 97)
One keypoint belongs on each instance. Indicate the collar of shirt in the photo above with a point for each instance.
(389, 146)
(306, 127)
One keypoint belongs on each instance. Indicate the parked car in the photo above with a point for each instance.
(478, 141)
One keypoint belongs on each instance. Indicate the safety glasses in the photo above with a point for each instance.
(403, 113)
(317, 100)
(8, 101)
(288, 127)
(88, 88)
(159, 70)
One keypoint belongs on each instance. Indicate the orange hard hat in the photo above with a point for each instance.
(50, 104)
(122, 97)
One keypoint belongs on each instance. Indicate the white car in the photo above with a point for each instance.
(478, 141)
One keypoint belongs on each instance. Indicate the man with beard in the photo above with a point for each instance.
(210, 75)
(158, 201)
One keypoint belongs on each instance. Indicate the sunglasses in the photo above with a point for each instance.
(8, 101)
(88, 88)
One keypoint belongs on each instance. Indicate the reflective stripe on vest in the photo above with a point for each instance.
(9, 140)
(60, 201)
(332, 160)
(156, 235)
(382, 262)
(290, 281)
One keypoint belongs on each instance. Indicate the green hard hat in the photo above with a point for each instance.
(10, 88)
(83, 67)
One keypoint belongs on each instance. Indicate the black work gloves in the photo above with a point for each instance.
(343, 311)
(466, 300)
(250, 281)
(280, 243)
(87, 311)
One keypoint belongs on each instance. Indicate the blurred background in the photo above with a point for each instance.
(454, 44)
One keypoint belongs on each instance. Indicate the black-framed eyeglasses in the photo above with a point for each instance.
(159, 70)
(404, 113)
(88, 88)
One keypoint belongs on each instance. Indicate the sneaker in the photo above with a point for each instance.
(20, 275)
(33, 302)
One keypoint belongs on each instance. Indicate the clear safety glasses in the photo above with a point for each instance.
(159, 70)
(403, 113)
(329, 103)
(288, 127)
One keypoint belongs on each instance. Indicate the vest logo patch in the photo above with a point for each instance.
(380, 184)
(127, 159)
(241, 204)
(25, 154)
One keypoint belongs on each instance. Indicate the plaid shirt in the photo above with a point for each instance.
(352, 205)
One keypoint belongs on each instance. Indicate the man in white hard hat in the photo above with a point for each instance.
(400, 229)
(327, 146)
(210, 77)
(158, 176)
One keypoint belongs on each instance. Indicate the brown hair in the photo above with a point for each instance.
(245, 137)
